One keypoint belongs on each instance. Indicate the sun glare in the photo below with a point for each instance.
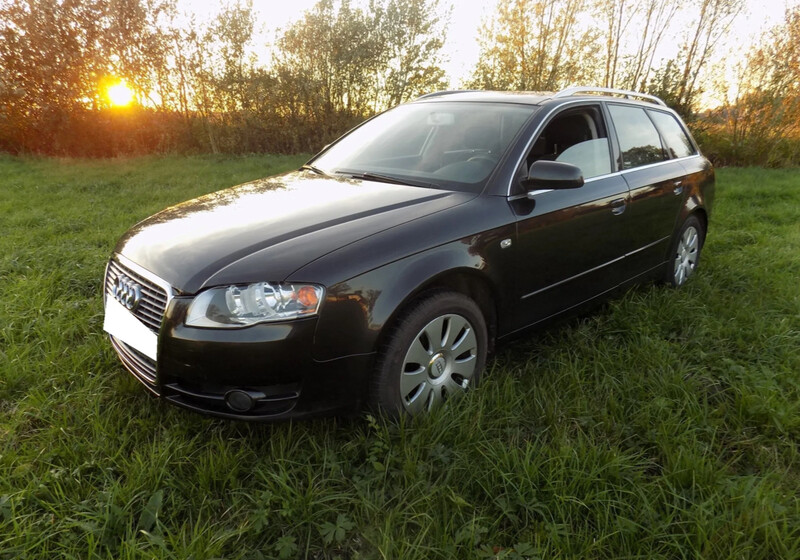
(120, 94)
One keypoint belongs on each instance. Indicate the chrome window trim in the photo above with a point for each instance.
(590, 179)
(656, 164)
(550, 113)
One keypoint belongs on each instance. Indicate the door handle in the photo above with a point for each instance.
(678, 187)
(618, 206)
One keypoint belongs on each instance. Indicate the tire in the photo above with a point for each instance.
(684, 255)
(435, 352)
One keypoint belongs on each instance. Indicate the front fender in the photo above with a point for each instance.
(356, 311)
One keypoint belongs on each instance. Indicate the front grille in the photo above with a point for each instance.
(153, 303)
(143, 367)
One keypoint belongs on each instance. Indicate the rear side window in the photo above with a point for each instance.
(639, 142)
(677, 142)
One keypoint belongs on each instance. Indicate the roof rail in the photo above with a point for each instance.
(573, 90)
(449, 92)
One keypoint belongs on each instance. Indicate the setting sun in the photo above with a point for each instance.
(120, 94)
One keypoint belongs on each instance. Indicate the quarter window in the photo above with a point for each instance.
(677, 142)
(639, 142)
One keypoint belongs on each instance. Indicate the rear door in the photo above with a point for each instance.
(656, 186)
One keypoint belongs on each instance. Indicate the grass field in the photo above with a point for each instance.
(663, 425)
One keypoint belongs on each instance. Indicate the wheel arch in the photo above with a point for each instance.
(693, 210)
(702, 215)
(465, 281)
(357, 315)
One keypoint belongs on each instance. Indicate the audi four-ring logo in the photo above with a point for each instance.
(127, 292)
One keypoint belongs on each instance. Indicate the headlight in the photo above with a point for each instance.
(239, 306)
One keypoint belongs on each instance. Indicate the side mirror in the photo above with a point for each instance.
(545, 174)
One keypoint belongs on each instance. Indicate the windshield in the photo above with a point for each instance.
(453, 146)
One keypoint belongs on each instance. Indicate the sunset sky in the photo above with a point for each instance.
(462, 46)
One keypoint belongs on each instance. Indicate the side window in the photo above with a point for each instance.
(576, 136)
(639, 142)
(677, 142)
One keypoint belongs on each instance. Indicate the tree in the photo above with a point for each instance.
(680, 85)
(327, 68)
(617, 15)
(413, 36)
(223, 78)
(229, 37)
(536, 45)
(341, 63)
(55, 58)
(759, 123)
(652, 18)
(135, 46)
(47, 60)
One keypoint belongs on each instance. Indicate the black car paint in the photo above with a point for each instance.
(274, 226)
(376, 246)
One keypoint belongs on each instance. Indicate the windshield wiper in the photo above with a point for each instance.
(317, 170)
(370, 176)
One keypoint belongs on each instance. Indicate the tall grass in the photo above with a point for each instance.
(665, 424)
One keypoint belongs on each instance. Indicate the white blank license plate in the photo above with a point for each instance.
(120, 323)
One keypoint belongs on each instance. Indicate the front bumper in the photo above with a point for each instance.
(198, 367)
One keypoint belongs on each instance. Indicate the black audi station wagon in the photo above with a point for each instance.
(382, 272)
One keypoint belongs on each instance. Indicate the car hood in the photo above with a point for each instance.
(274, 226)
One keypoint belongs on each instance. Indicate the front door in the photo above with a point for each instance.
(571, 243)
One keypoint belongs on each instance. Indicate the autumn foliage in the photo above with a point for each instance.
(759, 123)
(199, 87)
